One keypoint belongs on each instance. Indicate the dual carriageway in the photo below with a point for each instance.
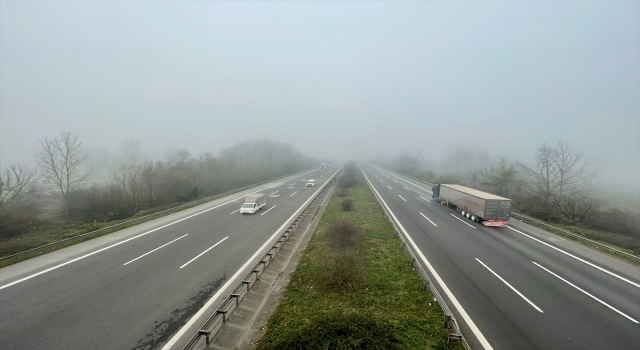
(145, 287)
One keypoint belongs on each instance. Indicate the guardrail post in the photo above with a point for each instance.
(206, 334)
(447, 319)
(224, 315)
(247, 284)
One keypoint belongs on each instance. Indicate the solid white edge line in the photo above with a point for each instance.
(267, 210)
(215, 297)
(456, 304)
(577, 258)
(162, 246)
(510, 286)
(462, 221)
(428, 219)
(201, 254)
(425, 199)
(128, 239)
(293, 193)
(585, 292)
(235, 211)
(402, 198)
(549, 245)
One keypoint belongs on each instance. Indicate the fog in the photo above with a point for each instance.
(335, 80)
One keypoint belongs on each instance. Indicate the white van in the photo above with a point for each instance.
(311, 183)
(253, 203)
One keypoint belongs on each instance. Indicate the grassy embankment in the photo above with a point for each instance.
(354, 287)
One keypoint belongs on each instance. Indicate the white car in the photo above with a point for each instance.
(311, 183)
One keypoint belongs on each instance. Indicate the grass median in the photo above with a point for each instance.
(354, 288)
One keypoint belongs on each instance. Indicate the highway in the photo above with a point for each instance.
(136, 288)
(517, 287)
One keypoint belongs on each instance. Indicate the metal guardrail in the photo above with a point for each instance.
(212, 326)
(121, 225)
(449, 319)
(524, 218)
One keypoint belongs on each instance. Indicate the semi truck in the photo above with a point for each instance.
(485, 208)
(253, 203)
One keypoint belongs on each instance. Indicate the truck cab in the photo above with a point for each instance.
(249, 208)
(435, 192)
(253, 203)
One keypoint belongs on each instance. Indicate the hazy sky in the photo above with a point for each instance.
(344, 79)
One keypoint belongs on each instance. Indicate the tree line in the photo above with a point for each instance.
(64, 175)
(558, 184)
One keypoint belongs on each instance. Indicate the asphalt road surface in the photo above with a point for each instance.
(135, 288)
(517, 287)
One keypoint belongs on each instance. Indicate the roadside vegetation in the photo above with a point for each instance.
(557, 187)
(71, 192)
(354, 288)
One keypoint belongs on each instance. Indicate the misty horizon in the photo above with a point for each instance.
(335, 80)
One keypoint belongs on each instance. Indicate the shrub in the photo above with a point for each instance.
(347, 180)
(342, 234)
(342, 192)
(341, 270)
(339, 331)
(346, 204)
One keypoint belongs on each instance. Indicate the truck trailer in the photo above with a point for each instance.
(253, 203)
(485, 208)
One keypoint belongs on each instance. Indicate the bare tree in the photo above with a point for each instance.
(148, 172)
(540, 177)
(17, 182)
(499, 177)
(128, 180)
(60, 161)
(574, 175)
(132, 150)
(177, 156)
(559, 174)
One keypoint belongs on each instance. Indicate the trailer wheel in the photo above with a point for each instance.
(468, 215)
(473, 218)
(462, 212)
